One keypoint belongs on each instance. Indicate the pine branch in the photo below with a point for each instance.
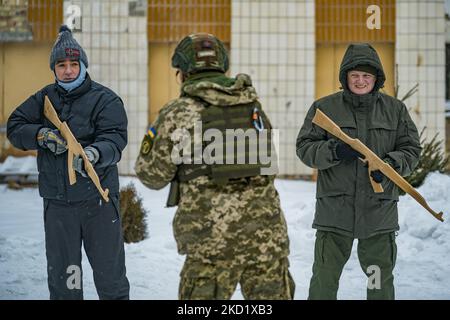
(432, 158)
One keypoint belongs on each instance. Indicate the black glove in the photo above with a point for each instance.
(78, 164)
(345, 152)
(52, 140)
(377, 176)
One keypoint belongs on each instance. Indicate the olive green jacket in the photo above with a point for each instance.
(346, 202)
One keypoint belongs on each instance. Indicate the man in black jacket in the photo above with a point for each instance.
(76, 213)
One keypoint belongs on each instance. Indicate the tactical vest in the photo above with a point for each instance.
(245, 149)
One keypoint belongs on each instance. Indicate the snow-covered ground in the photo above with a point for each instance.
(153, 265)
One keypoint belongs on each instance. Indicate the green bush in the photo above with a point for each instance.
(133, 215)
(432, 158)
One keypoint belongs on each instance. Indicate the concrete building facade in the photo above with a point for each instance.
(291, 48)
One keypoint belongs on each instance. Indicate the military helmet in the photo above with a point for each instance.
(199, 52)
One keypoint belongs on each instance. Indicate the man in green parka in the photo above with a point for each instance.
(346, 205)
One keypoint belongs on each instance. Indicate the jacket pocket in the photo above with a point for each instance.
(390, 191)
(325, 194)
(198, 281)
(39, 159)
(382, 137)
(332, 199)
(393, 248)
(320, 246)
(45, 160)
(347, 127)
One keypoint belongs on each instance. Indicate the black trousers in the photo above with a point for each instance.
(97, 225)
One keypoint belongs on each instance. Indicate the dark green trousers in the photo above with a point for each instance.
(376, 255)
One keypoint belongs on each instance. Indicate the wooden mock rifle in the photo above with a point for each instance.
(373, 161)
(73, 148)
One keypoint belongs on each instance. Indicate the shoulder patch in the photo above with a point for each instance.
(146, 145)
(151, 132)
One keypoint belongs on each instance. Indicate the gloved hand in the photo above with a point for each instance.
(78, 163)
(377, 176)
(345, 152)
(52, 140)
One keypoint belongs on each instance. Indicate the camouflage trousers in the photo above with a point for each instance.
(263, 281)
(377, 257)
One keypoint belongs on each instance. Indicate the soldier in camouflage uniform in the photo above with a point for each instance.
(229, 221)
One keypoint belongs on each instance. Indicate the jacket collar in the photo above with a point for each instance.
(364, 100)
(78, 92)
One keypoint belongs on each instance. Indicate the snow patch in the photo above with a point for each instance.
(153, 265)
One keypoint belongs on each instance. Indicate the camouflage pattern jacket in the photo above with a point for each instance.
(242, 220)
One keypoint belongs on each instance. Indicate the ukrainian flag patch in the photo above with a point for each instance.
(151, 132)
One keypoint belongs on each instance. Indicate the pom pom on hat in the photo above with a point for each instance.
(64, 28)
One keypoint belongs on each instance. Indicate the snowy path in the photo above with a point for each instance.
(153, 265)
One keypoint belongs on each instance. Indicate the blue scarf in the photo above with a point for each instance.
(69, 86)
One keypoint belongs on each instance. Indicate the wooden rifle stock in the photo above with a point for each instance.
(73, 148)
(373, 161)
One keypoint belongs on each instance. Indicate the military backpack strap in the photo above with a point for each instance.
(188, 172)
(222, 174)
